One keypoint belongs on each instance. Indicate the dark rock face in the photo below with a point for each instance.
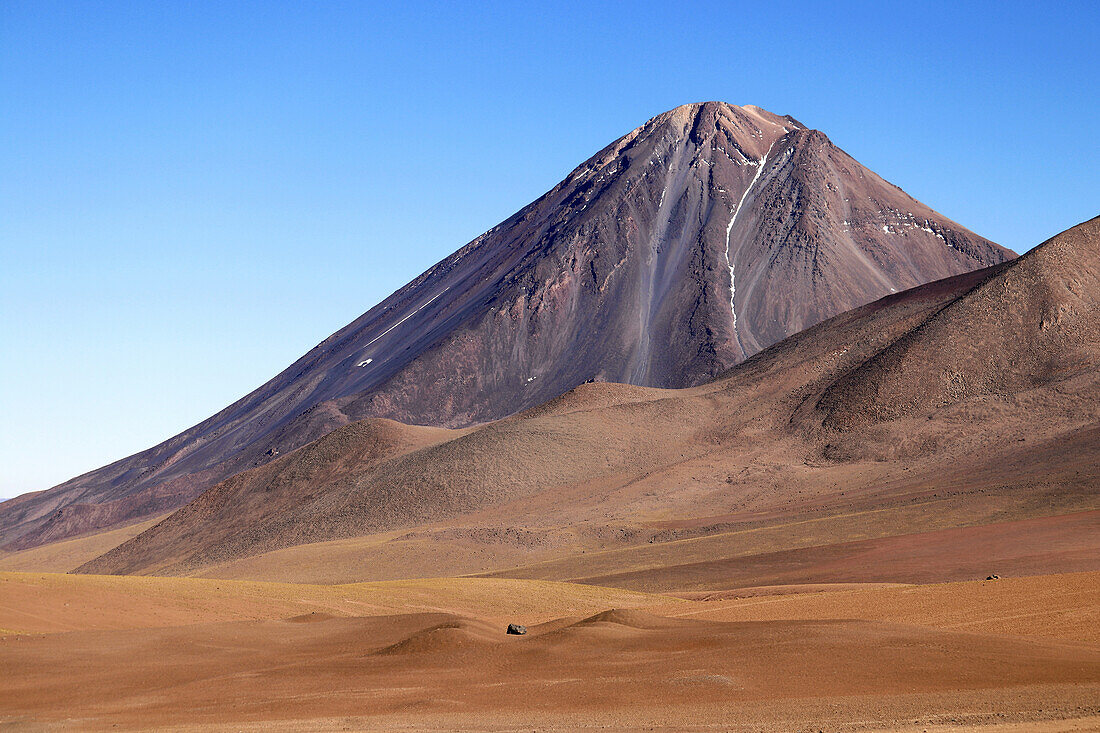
(689, 244)
(517, 629)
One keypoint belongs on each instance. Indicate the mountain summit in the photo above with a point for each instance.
(684, 247)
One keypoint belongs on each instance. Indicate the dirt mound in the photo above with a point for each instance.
(461, 636)
(53, 602)
(286, 484)
(630, 617)
(591, 396)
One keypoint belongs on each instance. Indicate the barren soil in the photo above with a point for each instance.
(1015, 654)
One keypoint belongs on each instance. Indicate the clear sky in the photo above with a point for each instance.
(193, 194)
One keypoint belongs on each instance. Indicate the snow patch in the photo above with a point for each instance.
(364, 362)
(739, 155)
(422, 307)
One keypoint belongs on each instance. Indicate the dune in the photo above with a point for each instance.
(433, 671)
(626, 617)
(459, 637)
(310, 618)
(149, 653)
(32, 603)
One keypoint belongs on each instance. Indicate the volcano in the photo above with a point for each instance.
(681, 249)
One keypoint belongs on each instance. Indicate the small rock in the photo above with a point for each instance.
(994, 577)
(516, 629)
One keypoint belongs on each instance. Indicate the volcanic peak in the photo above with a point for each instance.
(692, 242)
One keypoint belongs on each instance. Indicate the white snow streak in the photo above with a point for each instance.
(729, 263)
(729, 229)
(422, 307)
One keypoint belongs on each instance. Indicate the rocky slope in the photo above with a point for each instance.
(705, 235)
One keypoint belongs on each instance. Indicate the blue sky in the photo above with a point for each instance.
(194, 194)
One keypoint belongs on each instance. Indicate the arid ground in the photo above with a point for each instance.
(98, 652)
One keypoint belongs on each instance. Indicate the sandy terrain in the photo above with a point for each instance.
(46, 602)
(1052, 606)
(191, 654)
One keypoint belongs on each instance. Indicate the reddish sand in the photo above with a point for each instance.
(622, 667)
(787, 662)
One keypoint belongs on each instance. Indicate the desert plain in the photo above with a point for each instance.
(94, 652)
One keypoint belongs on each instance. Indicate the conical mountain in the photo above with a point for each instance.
(687, 245)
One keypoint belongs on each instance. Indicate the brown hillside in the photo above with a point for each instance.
(1035, 323)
